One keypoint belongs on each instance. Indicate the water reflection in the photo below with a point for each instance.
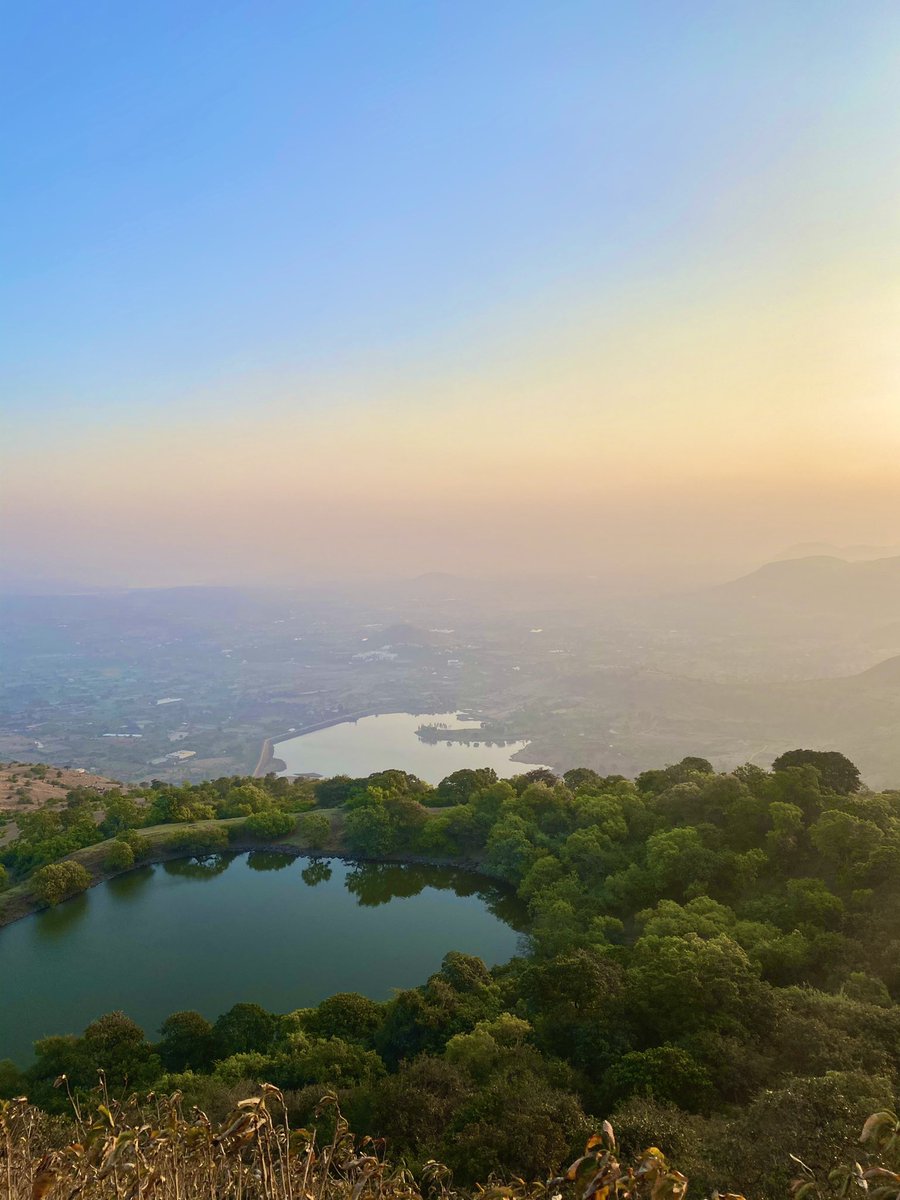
(128, 887)
(377, 883)
(374, 883)
(318, 871)
(206, 934)
(391, 740)
(55, 923)
(206, 867)
(268, 860)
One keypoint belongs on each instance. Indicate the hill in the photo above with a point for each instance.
(28, 787)
(855, 553)
(32, 785)
(624, 721)
(819, 585)
(711, 963)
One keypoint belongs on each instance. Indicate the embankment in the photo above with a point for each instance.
(21, 901)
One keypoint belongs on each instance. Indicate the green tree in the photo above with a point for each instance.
(270, 823)
(822, 1115)
(328, 1062)
(12, 1081)
(119, 856)
(58, 881)
(677, 985)
(666, 1073)
(656, 782)
(510, 848)
(186, 1043)
(116, 1045)
(582, 777)
(346, 1015)
(245, 1028)
(332, 793)
(460, 786)
(414, 1107)
(860, 986)
(453, 1001)
(314, 830)
(523, 1120)
(837, 772)
(370, 830)
(121, 812)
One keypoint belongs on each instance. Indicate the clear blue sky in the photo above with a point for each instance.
(199, 194)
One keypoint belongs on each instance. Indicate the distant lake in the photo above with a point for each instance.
(359, 748)
(262, 927)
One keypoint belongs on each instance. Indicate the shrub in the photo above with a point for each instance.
(210, 839)
(271, 823)
(140, 846)
(370, 830)
(314, 829)
(345, 1015)
(119, 856)
(59, 881)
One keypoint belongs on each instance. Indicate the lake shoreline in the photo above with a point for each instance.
(267, 762)
(156, 915)
(29, 904)
(267, 759)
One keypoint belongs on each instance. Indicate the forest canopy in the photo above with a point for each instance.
(713, 962)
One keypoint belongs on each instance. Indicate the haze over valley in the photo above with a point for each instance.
(450, 600)
(188, 683)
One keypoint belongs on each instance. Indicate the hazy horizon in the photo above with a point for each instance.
(359, 292)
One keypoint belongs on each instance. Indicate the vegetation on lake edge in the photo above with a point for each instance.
(714, 963)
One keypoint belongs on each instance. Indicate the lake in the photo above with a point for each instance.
(283, 932)
(359, 748)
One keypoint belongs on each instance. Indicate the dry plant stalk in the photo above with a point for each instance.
(150, 1150)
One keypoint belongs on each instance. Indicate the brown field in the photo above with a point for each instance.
(21, 791)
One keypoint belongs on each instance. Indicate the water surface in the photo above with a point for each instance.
(283, 932)
(359, 748)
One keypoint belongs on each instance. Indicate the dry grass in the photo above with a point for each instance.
(48, 787)
(127, 1151)
(133, 1151)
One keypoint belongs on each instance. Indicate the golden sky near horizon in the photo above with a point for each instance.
(721, 430)
(628, 298)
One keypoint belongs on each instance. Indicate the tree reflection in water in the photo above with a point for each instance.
(374, 883)
(268, 860)
(205, 867)
(318, 871)
(130, 885)
(55, 923)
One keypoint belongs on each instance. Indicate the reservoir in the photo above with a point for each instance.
(282, 932)
(359, 748)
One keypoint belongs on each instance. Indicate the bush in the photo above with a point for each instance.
(314, 829)
(211, 839)
(345, 1015)
(331, 793)
(59, 881)
(186, 1043)
(370, 830)
(119, 856)
(140, 846)
(4, 877)
(272, 823)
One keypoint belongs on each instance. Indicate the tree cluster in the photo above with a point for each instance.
(713, 962)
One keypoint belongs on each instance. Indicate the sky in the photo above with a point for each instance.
(313, 290)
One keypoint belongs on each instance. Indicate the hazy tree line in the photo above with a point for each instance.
(714, 964)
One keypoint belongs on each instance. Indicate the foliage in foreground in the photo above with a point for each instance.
(128, 1151)
(713, 961)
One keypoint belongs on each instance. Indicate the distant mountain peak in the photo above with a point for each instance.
(854, 553)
